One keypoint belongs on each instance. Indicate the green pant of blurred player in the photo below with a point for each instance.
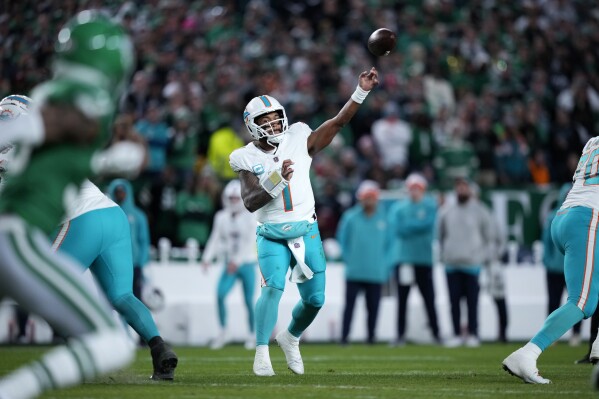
(51, 286)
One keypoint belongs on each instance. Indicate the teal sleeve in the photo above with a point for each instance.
(391, 244)
(412, 225)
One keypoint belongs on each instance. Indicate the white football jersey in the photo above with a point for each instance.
(233, 235)
(296, 202)
(585, 191)
(90, 198)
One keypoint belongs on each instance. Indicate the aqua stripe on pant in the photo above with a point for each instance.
(101, 241)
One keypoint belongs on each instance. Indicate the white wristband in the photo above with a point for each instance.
(273, 183)
(27, 129)
(359, 95)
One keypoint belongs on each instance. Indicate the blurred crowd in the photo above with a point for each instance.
(505, 93)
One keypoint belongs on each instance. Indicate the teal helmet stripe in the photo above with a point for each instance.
(18, 98)
(266, 101)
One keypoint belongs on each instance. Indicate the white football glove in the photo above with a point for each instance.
(124, 158)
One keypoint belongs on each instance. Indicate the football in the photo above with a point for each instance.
(382, 42)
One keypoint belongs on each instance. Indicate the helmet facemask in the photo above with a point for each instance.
(267, 129)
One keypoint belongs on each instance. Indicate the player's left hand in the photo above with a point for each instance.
(369, 79)
(287, 170)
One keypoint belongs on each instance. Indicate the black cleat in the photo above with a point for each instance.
(164, 361)
(584, 360)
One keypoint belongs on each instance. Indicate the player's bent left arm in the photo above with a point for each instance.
(257, 192)
(324, 134)
(253, 194)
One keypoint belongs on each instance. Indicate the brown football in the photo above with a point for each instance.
(382, 41)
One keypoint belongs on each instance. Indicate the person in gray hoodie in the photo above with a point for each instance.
(465, 233)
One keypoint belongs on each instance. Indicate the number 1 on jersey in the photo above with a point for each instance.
(287, 202)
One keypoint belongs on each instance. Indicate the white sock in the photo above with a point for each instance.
(21, 384)
(532, 350)
(63, 366)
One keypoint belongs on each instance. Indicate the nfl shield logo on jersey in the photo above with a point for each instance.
(276, 159)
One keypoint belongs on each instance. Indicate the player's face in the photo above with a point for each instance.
(119, 195)
(416, 192)
(462, 190)
(270, 122)
(369, 201)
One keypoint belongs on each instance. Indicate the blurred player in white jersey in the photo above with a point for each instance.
(274, 171)
(233, 241)
(574, 232)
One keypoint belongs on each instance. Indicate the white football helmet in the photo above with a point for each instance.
(264, 105)
(231, 196)
(13, 106)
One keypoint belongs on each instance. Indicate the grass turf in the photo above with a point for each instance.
(355, 371)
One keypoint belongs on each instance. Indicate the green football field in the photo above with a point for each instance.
(355, 371)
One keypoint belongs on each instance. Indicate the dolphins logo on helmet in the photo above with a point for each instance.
(11, 107)
(259, 106)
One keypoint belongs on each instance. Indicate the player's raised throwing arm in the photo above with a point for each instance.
(323, 135)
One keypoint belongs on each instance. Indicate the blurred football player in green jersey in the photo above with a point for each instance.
(56, 146)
